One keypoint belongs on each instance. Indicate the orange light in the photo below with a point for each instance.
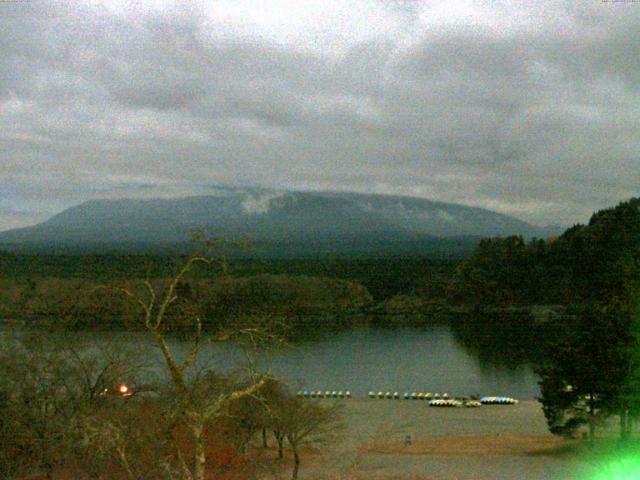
(123, 389)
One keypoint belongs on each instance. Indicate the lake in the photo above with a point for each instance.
(427, 359)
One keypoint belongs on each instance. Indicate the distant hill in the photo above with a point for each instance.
(279, 222)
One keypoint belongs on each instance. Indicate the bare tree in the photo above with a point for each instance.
(273, 400)
(303, 422)
(48, 384)
(128, 441)
(195, 402)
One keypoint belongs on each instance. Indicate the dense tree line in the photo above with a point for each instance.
(309, 294)
(596, 262)
(382, 277)
(592, 370)
(591, 366)
(218, 301)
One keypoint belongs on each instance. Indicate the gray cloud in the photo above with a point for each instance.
(529, 110)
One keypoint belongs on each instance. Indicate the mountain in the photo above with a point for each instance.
(299, 222)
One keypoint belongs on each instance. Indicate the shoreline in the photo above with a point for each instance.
(497, 442)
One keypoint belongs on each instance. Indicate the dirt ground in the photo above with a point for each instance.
(398, 439)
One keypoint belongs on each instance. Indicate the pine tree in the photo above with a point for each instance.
(587, 370)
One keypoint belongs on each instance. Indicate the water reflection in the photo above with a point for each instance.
(508, 340)
(465, 356)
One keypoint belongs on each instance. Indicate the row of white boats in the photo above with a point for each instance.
(435, 399)
(465, 402)
(409, 396)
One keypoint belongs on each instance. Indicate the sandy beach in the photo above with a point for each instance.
(397, 439)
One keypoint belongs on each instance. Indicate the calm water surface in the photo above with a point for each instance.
(427, 359)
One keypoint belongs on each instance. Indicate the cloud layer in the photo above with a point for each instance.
(527, 108)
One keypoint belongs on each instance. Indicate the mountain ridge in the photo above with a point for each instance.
(270, 216)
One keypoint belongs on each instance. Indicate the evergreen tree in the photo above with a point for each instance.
(627, 403)
(587, 370)
(594, 263)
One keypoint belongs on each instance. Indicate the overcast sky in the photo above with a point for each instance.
(530, 108)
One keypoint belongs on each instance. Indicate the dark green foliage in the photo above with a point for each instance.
(606, 254)
(383, 277)
(63, 288)
(627, 401)
(592, 370)
(283, 295)
(496, 274)
(587, 369)
(512, 338)
(598, 262)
